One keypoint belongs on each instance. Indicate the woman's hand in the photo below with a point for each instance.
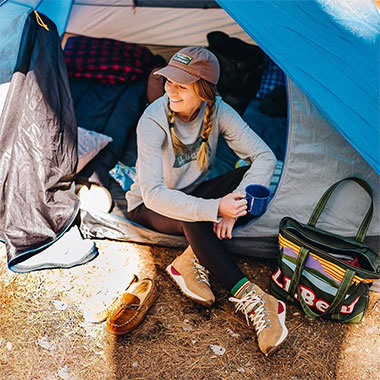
(232, 205)
(223, 229)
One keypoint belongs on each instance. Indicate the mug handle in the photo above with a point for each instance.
(250, 203)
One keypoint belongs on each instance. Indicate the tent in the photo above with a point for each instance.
(328, 49)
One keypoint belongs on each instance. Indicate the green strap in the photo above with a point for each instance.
(337, 302)
(326, 196)
(301, 261)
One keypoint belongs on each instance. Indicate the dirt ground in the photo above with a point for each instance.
(43, 334)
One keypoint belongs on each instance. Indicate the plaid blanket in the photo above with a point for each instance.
(272, 77)
(107, 60)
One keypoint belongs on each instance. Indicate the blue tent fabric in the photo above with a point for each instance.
(58, 11)
(12, 20)
(330, 49)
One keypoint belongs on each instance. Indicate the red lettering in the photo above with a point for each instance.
(308, 295)
(348, 309)
(321, 305)
(275, 277)
(287, 281)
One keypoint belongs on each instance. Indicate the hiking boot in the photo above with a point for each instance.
(266, 313)
(191, 277)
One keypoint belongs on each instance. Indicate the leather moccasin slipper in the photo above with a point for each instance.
(99, 306)
(132, 307)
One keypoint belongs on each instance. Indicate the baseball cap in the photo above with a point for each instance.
(190, 64)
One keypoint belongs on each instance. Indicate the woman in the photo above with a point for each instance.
(176, 138)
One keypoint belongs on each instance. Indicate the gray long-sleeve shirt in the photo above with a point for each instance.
(163, 179)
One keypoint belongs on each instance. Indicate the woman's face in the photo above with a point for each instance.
(183, 99)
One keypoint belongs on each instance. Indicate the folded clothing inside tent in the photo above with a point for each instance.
(108, 81)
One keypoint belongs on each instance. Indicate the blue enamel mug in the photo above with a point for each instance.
(257, 197)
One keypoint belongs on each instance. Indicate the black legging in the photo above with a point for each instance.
(200, 235)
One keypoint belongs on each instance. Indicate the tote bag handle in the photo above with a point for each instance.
(326, 196)
(336, 303)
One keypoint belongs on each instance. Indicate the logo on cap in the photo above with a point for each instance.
(182, 58)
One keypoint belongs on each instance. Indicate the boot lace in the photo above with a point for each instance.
(254, 308)
(200, 271)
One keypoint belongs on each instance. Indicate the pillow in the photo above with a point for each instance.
(90, 143)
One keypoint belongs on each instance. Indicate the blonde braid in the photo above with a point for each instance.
(178, 145)
(208, 119)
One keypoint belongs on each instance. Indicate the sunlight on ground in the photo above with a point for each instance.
(43, 334)
(41, 301)
(361, 345)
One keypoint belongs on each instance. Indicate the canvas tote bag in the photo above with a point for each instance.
(326, 274)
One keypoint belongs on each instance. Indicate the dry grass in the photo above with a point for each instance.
(38, 340)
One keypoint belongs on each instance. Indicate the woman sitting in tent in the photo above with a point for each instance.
(176, 138)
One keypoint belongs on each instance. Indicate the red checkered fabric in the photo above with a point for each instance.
(107, 60)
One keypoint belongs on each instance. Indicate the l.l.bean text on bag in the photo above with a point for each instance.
(326, 274)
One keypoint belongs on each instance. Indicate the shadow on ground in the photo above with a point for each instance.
(43, 334)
